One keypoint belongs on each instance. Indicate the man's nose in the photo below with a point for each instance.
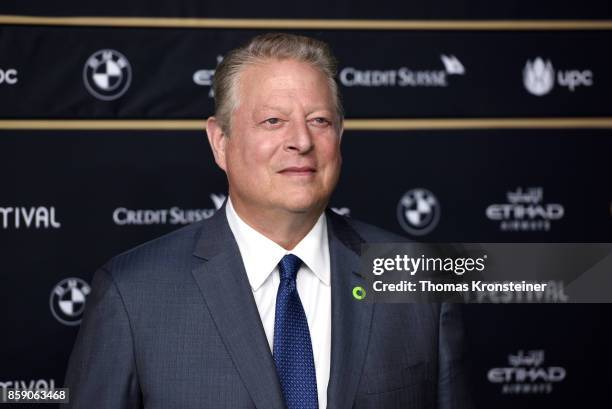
(299, 137)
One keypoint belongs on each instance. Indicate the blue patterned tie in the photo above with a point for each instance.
(292, 347)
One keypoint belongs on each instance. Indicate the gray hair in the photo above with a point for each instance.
(280, 46)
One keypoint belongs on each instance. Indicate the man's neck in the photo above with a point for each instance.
(283, 227)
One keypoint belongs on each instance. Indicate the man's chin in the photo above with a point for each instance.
(305, 207)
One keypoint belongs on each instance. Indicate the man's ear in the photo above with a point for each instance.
(217, 140)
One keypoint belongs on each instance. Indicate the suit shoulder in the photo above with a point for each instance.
(168, 253)
(371, 233)
(367, 232)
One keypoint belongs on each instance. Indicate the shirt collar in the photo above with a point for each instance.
(261, 255)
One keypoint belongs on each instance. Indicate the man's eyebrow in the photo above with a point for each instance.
(286, 111)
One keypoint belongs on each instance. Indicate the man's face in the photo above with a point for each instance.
(283, 152)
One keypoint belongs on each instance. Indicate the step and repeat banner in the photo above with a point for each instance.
(475, 134)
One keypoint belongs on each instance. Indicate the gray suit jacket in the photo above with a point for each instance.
(173, 324)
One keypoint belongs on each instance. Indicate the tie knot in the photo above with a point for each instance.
(289, 266)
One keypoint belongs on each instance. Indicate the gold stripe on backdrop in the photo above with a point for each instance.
(294, 24)
(350, 124)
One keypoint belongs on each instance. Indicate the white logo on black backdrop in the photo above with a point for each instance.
(67, 300)
(8, 76)
(205, 77)
(40, 217)
(175, 215)
(525, 211)
(178, 216)
(539, 77)
(33, 384)
(418, 211)
(342, 211)
(452, 65)
(403, 76)
(527, 374)
(107, 74)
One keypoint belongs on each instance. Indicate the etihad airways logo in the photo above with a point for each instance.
(526, 374)
(525, 211)
(403, 76)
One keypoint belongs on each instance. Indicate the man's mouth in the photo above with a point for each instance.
(298, 171)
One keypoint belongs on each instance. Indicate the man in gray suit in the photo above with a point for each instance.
(253, 308)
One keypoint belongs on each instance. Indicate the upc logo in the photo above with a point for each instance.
(539, 76)
(8, 76)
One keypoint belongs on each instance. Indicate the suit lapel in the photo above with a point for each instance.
(351, 319)
(224, 285)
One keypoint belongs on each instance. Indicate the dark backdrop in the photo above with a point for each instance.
(471, 131)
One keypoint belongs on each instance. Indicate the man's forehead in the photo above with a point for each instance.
(273, 107)
(277, 88)
(260, 89)
(286, 72)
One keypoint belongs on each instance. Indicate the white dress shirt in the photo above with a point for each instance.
(261, 256)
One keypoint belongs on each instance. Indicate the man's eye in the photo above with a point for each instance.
(272, 121)
(321, 121)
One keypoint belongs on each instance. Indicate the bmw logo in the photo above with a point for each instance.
(418, 211)
(67, 300)
(107, 74)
